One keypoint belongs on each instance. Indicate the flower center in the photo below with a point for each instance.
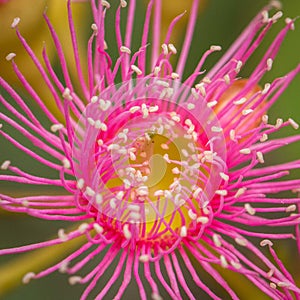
(147, 166)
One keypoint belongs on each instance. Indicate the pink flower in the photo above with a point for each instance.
(159, 168)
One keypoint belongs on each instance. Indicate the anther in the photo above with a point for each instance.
(215, 48)
(240, 192)
(183, 231)
(279, 123)
(67, 94)
(245, 151)
(221, 192)
(240, 101)
(224, 263)
(277, 16)
(136, 69)
(260, 157)
(5, 165)
(172, 48)
(27, 277)
(83, 227)
(290, 22)
(264, 137)
(269, 64)
(124, 49)
(241, 241)
(212, 103)
(266, 88)
(80, 183)
(224, 176)
(238, 67)
(291, 208)
(126, 232)
(94, 27)
(266, 242)
(66, 163)
(216, 240)
(62, 235)
(227, 79)
(99, 229)
(249, 209)
(10, 56)
(89, 191)
(293, 123)
(74, 280)
(246, 112)
(56, 127)
(174, 75)
(144, 258)
(165, 49)
(123, 3)
(15, 22)
(273, 285)
(202, 220)
(105, 4)
(283, 284)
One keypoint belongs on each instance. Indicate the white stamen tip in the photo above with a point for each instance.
(94, 27)
(291, 208)
(283, 284)
(273, 285)
(99, 229)
(202, 220)
(183, 231)
(66, 163)
(89, 191)
(216, 129)
(15, 22)
(249, 209)
(67, 94)
(216, 240)
(5, 165)
(105, 4)
(241, 241)
(83, 227)
(123, 3)
(269, 64)
(277, 16)
(212, 103)
(172, 48)
(240, 192)
(293, 123)
(260, 157)
(62, 235)
(124, 49)
(165, 49)
(246, 112)
(126, 232)
(144, 258)
(136, 69)
(224, 176)
(80, 183)
(10, 56)
(266, 242)
(27, 277)
(240, 101)
(245, 151)
(56, 127)
(224, 263)
(221, 192)
(227, 79)
(215, 48)
(74, 280)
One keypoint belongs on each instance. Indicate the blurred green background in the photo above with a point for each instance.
(219, 23)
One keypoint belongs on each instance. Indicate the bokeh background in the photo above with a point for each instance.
(219, 23)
